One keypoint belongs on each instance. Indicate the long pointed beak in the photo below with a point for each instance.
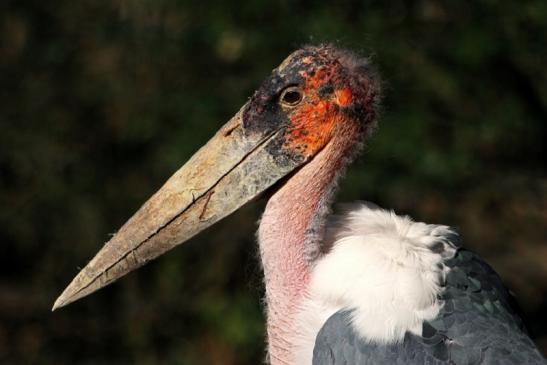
(231, 169)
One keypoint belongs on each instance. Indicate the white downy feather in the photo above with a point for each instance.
(386, 269)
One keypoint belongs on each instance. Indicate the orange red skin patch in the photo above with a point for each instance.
(344, 97)
(314, 121)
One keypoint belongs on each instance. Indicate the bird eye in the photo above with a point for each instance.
(291, 96)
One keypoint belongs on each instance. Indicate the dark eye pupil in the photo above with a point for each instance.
(292, 97)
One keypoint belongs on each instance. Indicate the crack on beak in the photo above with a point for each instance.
(202, 217)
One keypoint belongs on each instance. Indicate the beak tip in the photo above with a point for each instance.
(68, 296)
(59, 303)
(63, 300)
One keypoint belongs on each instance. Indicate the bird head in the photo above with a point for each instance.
(318, 95)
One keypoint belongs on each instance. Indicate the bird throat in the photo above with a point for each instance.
(290, 235)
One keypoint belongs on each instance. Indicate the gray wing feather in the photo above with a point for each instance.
(478, 324)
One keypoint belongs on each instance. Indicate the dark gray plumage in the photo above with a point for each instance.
(478, 324)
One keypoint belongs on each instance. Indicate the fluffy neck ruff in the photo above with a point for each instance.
(290, 233)
(387, 270)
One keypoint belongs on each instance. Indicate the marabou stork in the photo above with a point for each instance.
(365, 287)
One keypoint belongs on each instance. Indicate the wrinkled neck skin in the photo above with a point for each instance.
(289, 236)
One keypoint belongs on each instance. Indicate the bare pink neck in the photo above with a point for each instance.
(285, 235)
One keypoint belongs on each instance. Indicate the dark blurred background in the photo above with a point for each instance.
(102, 101)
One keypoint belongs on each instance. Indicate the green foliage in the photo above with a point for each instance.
(102, 101)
